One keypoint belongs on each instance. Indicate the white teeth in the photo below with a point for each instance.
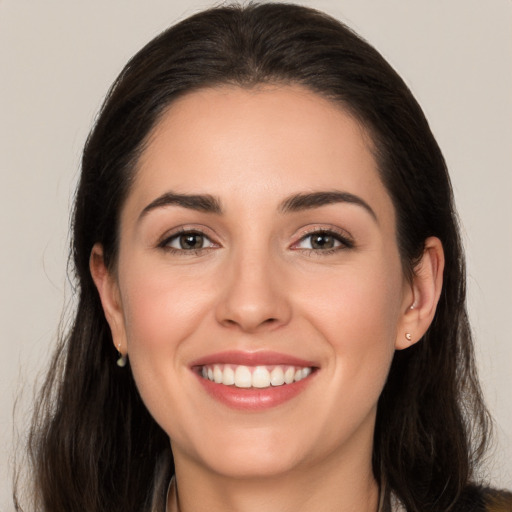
(254, 376)
(243, 377)
(228, 378)
(217, 374)
(289, 375)
(260, 377)
(277, 376)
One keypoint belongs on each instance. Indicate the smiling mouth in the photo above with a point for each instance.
(259, 377)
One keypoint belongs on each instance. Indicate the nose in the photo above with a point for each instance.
(254, 294)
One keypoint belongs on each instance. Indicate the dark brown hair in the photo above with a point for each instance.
(93, 444)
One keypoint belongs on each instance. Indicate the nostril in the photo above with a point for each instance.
(248, 325)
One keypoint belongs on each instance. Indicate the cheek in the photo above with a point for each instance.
(356, 304)
(161, 311)
(161, 308)
(357, 313)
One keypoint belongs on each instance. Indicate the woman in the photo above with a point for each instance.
(265, 241)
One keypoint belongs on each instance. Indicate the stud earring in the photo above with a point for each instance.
(408, 336)
(122, 360)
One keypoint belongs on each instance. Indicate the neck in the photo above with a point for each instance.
(348, 488)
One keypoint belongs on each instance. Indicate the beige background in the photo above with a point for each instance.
(57, 59)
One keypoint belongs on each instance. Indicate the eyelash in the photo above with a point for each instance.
(344, 241)
(165, 243)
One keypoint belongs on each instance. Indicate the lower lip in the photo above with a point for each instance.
(254, 399)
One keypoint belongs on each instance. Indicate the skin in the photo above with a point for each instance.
(257, 285)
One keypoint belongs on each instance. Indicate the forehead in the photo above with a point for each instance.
(255, 116)
(275, 139)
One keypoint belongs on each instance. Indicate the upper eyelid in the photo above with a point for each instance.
(200, 230)
(166, 243)
(345, 240)
(300, 234)
(334, 230)
(188, 232)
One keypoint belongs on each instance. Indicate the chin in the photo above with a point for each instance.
(250, 454)
(259, 465)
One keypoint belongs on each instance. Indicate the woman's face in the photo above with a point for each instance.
(259, 291)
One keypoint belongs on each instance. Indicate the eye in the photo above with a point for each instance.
(187, 241)
(323, 241)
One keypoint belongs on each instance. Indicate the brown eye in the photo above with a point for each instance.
(187, 241)
(191, 241)
(322, 241)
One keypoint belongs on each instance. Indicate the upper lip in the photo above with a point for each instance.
(261, 358)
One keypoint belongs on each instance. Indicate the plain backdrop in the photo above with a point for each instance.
(57, 59)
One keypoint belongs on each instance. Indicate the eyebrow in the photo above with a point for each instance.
(307, 201)
(200, 202)
(295, 203)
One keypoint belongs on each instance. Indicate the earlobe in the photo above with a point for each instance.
(108, 291)
(426, 286)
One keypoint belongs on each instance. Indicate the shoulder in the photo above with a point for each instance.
(484, 499)
(498, 501)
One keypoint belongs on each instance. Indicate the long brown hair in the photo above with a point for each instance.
(93, 445)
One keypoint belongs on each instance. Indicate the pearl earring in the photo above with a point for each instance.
(122, 360)
(408, 336)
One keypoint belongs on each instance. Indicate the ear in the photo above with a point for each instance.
(110, 297)
(420, 302)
